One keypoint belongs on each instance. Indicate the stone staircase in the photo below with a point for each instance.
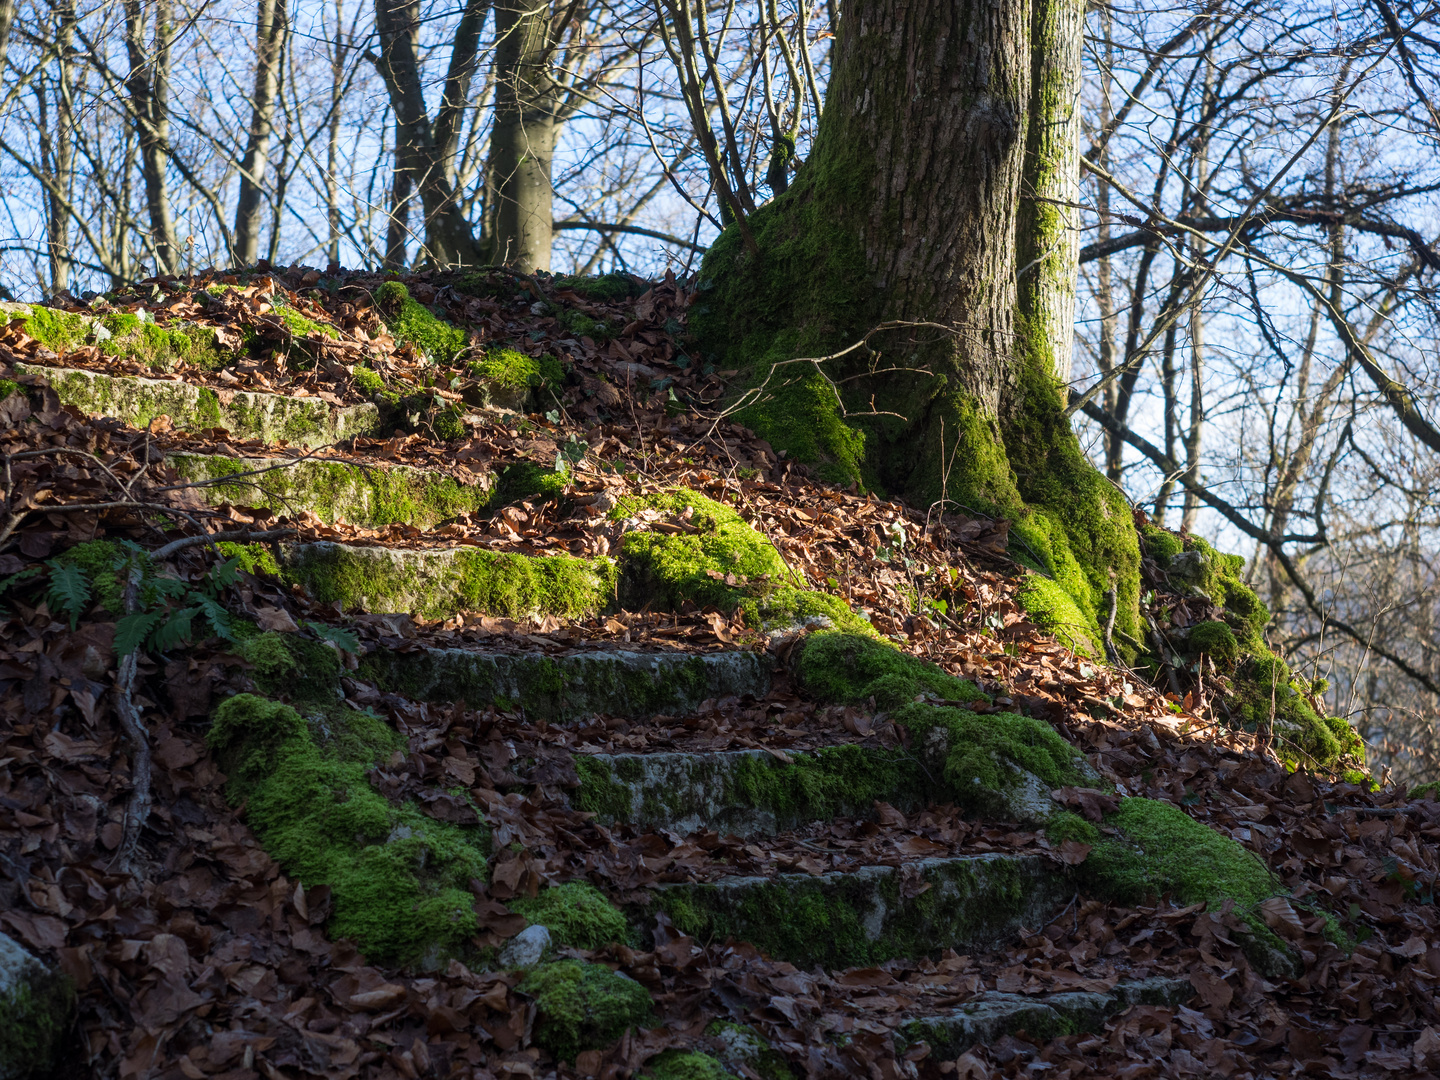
(858, 916)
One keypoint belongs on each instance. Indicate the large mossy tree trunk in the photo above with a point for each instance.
(934, 193)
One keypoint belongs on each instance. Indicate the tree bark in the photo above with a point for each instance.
(148, 87)
(522, 144)
(271, 24)
(931, 194)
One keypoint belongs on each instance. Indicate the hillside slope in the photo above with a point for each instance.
(360, 628)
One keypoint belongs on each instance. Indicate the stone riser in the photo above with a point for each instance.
(370, 496)
(875, 913)
(565, 688)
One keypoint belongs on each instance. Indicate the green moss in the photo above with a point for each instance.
(60, 331)
(400, 881)
(599, 792)
(789, 606)
(254, 558)
(1425, 791)
(1216, 639)
(367, 380)
(834, 780)
(8, 387)
(606, 288)
(685, 1065)
(744, 1044)
(289, 666)
(719, 560)
(1161, 544)
(526, 480)
(582, 325)
(448, 424)
(583, 1006)
(1163, 851)
(516, 371)
(268, 652)
(851, 669)
(1049, 605)
(982, 753)
(576, 914)
(36, 1021)
(391, 294)
(301, 326)
(413, 322)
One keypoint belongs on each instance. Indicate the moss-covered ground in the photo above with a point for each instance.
(37, 1017)
(399, 879)
(576, 914)
(685, 1065)
(583, 1006)
(411, 321)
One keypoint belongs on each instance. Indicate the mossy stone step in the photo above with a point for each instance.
(245, 414)
(367, 495)
(875, 913)
(440, 582)
(750, 792)
(568, 687)
(987, 1017)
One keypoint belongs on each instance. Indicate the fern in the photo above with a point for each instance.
(69, 591)
(218, 616)
(343, 639)
(132, 630)
(173, 630)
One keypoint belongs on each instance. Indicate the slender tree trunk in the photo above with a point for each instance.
(271, 24)
(397, 230)
(919, 203)
(522, 145)
(7, 16)
(148, 86)
(332, 142)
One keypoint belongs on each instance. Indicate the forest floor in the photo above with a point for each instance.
(194, 953)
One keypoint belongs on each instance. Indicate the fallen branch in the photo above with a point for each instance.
(242, 536)
(137, 808)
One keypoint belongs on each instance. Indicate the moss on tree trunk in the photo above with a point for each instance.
(943, 122)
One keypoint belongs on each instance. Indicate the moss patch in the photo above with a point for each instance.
(8, 387)
(717, 560)
(399, 880)
(583, 1006)
(254, 558)
(982, 753)
(606, 288)
(685, 1065)
(525, 480)
(515, 371)
(36, 1020)
(300, 670)
(789, 606)
(851, 669)
(832, 781)
(413, 322)
(576, 914)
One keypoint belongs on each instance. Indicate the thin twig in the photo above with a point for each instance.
(243, 536)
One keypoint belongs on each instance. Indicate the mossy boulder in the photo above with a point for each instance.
(1265, 691)
(741, 1046)
(852, 669)
(685, 1065)
(576, 914)
(412, 322)
(37, 1013)
(583, 1006)
(399, 879)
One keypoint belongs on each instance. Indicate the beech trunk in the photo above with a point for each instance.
(936, 192)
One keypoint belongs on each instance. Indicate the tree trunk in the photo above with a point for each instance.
(449, 240)
(523, 142)
(270, 28)
(944, 121)
(148, 86)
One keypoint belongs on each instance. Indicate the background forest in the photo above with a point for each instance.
(1255, 354)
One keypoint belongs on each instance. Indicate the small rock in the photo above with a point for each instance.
(525, 949)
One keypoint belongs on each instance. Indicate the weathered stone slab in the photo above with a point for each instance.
(440, 582)
(245, 414)
(750, 792)
(876, 913)
(563, 688)
(371, 496)
(987, 1017)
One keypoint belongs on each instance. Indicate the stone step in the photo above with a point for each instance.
(876, 913)
(987, 1017)
(440, 582)
(366, 495)
(567, 687)
(751, 792)
(246, 414)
